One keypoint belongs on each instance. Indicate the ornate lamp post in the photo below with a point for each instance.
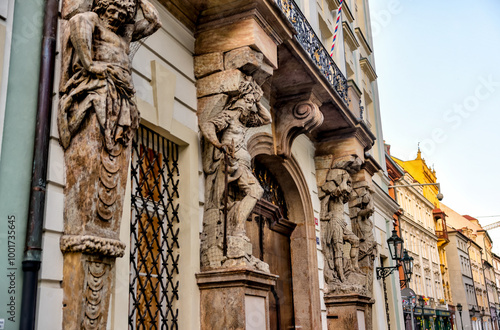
(395, 244)
(407, 261)
(459, 308)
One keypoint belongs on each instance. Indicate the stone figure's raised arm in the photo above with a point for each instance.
(211, 127)
(149, 24)
(263, 113)
(82, 28)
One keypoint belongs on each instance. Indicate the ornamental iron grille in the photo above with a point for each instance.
(272, 191)
(312, 45)
(154, 233)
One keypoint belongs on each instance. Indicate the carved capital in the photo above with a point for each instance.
(295, 117)
(92, 245)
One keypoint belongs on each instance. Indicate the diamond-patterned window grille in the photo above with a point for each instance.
(154, 233)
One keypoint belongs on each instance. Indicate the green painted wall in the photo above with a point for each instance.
(17, 152)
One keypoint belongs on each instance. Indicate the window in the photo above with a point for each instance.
(154, 242)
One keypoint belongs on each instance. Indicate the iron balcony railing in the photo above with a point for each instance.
(310, 42)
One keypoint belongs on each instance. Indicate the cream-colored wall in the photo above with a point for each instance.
(166, 97)
(303, 151)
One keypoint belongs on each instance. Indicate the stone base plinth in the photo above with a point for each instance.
(350, 311)
(235, 299)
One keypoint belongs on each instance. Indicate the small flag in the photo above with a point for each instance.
(336, 28)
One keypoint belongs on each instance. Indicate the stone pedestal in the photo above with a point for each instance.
(351, 311)
(235, 299)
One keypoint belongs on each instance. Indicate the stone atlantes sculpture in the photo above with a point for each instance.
(224, 132)
(97, 120)
(361, 209)
(342, 275)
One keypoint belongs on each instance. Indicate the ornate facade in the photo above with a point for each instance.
(212, 171)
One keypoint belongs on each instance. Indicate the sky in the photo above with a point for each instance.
(439, 85)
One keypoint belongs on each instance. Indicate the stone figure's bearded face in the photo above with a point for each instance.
(114, 16)
(245, 103)
(114, 13)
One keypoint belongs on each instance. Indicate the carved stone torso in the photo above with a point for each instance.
(109, 47)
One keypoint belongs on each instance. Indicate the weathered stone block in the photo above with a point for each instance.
(220, 82)
(223, 297)
(349, 311)
(323, 162)
(250, 62)
(239, 34)
(243, 58)
(210, 105)
(207, 64)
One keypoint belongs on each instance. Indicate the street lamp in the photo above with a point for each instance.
(395, 244)
(459, 308)
(407, 262)
(407, 265)
(421, 301)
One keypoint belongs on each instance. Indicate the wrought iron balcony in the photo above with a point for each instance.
(310, 42)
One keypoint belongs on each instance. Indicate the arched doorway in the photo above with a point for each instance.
(269, 231)
(295, 236)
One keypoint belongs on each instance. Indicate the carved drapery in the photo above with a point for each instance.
(229, 104)
(97, 119)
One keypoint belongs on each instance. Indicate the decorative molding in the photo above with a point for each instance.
(367, 67)
(349, 36)
(92, 245)
(94, 292)
(371, 165)
(293, 118)
(362, 39)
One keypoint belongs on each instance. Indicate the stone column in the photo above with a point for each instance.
(341, 165)
(235, 299)
(350, 311)
(234, 58)
(97, 120)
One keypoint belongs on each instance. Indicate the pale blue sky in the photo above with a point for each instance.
(439, 84)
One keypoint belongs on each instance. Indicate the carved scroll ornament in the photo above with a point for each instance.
(295, 117)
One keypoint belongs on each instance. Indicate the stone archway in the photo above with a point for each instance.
(303, 252)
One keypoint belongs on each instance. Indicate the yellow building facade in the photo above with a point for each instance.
(423, 174)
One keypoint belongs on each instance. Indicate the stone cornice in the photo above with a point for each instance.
(352, 83)
(417, 225)
(383, 199)
(371, 165)
(362, 39)
(367, 67)
(349, 36)
(345, 9)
